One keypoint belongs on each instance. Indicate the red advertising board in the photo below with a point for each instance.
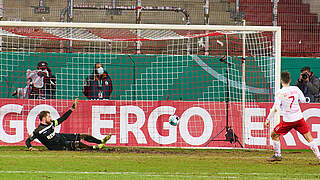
(145, 123)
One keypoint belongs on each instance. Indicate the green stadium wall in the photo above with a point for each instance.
(188, 82)
(294, 65)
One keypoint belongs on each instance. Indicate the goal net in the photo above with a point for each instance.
(212, 77)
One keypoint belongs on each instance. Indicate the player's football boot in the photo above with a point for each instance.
(105, 139)
(275, 158)
(99, 146)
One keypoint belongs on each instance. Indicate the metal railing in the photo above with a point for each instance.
(298, 18)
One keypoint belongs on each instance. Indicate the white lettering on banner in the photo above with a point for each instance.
(207, 121)
(98, 124)
(13, 130)
(17, 124)
(288, 139)
(135, 128)
(33, 114)
(152, 126)
(250, 126)
(312, 112)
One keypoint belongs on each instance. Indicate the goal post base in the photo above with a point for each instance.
(230, 137)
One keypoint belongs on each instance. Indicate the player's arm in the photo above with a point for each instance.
(29, 140)
(302, 98)
(275, 108)
(66, 114)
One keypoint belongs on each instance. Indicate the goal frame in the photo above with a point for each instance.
(223, 28)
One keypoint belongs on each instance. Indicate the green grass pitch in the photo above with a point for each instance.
(145, 163)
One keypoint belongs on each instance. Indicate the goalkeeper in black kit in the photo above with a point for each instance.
(46, 134)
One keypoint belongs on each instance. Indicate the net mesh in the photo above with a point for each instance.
(197, 75)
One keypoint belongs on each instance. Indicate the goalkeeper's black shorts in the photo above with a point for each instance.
(71, 140)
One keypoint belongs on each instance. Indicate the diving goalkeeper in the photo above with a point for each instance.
(46, 134)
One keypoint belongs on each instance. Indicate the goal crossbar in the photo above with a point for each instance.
(139, 26)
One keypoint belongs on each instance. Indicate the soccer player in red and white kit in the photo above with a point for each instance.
(287, 103)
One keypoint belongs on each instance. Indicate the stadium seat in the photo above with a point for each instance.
(300, 28)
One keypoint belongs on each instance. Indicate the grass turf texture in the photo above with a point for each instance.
(141, 163)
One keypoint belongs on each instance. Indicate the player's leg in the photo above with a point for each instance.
(77, 145)
(303, 129)
(71, 145)
(281, 129)
(276, 147)
(83, 146)
(92, 139)
(312, 144)
(69, 140)
(72, 142)
(106, 139)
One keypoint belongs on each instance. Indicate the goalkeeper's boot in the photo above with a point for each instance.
(105, 139)
(275, 158)
(99, 146)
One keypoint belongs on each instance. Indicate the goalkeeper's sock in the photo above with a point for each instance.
(314, 148)
(277, 148)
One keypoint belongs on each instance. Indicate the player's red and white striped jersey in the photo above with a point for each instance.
(288, 98)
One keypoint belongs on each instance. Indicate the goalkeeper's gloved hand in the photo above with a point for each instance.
(32, 149)
(75, 103)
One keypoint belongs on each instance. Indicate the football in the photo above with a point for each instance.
(174, 120)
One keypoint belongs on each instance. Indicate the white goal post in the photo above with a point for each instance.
(205, 74)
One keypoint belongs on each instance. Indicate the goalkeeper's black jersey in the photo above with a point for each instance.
(47, 136)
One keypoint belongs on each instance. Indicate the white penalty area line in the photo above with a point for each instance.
(114, 156)
(191, 175)
(265, 174)
(228, 175)
(32, 156)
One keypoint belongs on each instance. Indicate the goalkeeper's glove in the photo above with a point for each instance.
(32, 149)
(75, 103)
